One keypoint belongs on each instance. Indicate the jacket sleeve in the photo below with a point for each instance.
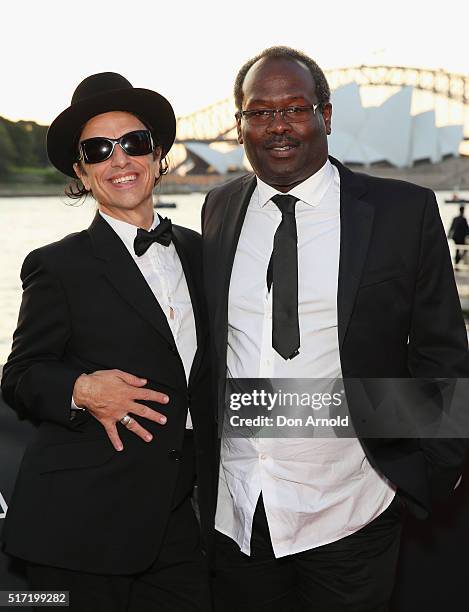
(438, 343)
(37, 381)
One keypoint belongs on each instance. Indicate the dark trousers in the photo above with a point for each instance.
(354, 574)
(177, 580)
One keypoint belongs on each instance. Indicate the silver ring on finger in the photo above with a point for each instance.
(125, 420)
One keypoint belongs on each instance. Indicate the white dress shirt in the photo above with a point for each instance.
(315, 490)
(161, 267)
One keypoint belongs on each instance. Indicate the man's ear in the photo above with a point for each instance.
(81, 174)
(327, 116)
(238, 128)
(157, 154)
(157, 151)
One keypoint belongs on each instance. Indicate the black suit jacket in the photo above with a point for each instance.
(398, 309)
(78, 503)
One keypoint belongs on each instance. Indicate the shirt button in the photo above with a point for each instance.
(263, 456)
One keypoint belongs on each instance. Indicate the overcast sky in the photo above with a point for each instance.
(191, 51)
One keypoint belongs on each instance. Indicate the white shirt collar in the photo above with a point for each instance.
(310, 191)
(126, 231)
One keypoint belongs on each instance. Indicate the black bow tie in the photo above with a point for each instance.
(162, 233)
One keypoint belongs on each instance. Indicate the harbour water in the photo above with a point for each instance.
(27, 223)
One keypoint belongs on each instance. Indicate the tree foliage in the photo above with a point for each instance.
(22, 144)
(7, 152)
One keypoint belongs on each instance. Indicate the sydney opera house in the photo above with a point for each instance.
(388, 133)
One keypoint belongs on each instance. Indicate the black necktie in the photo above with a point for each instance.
(282, 273)
(162, 234)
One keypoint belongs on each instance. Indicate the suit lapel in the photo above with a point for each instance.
(235, 211)
(193, 276)
(125, 276)
(356, 223)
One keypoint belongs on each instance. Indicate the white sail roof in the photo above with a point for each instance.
(387, 132)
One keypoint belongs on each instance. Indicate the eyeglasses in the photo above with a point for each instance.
(98, 149)
(291, 114)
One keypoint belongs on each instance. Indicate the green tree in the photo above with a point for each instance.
(21, 134)
(7, 151)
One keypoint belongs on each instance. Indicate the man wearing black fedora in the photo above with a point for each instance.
(109, 361)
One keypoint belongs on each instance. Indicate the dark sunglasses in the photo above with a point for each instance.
(98, 149)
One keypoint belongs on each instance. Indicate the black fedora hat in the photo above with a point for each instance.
(101, 93)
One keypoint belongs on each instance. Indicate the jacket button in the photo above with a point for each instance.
(173, 350)
(175, 455)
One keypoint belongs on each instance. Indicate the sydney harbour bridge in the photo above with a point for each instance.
(215, 123)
